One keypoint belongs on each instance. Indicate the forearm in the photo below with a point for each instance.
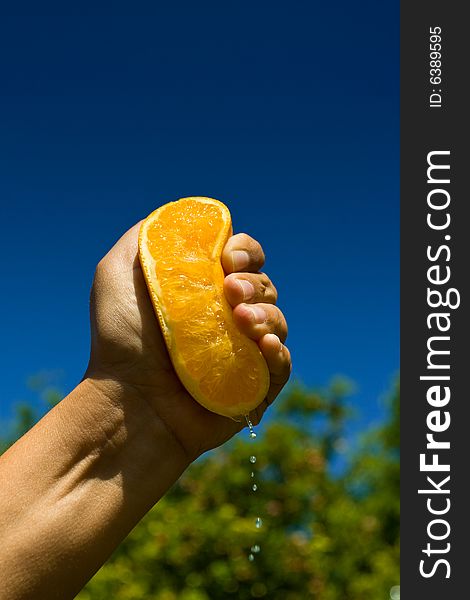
(76, 484)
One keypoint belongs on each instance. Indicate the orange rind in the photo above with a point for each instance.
(180, 249)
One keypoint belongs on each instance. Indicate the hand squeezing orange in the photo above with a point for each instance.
(180, 248)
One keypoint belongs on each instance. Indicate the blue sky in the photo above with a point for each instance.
(291, 117)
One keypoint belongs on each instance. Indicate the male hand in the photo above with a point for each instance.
(128, 348)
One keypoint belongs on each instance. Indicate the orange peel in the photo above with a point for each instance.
(180, 249)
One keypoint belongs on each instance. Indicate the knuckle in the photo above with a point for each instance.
(262, 289)
(271, 319)
(244, 240)
(264, 280)
(266, 288)
(252, 246)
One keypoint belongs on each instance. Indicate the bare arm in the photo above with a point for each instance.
(76, 484)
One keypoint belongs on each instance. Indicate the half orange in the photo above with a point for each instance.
(180, 248)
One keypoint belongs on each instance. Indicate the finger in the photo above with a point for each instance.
(242, 253)
(256, 320)
(279, 363)
(249, 287)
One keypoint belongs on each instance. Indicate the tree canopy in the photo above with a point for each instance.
(330, 529)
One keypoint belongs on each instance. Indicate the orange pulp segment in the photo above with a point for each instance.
(180, 248)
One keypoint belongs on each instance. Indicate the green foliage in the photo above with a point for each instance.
(324, 535)
(328, 533)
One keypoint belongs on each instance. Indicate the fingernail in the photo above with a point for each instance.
(248, 289)
(259, 314)
(240, 259)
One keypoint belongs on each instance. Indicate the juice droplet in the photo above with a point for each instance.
(258, 522)
(250, 426)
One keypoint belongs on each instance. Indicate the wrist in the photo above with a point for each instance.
(133, 426)
(84, 475)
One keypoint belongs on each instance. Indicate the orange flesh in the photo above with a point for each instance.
(180, 247)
